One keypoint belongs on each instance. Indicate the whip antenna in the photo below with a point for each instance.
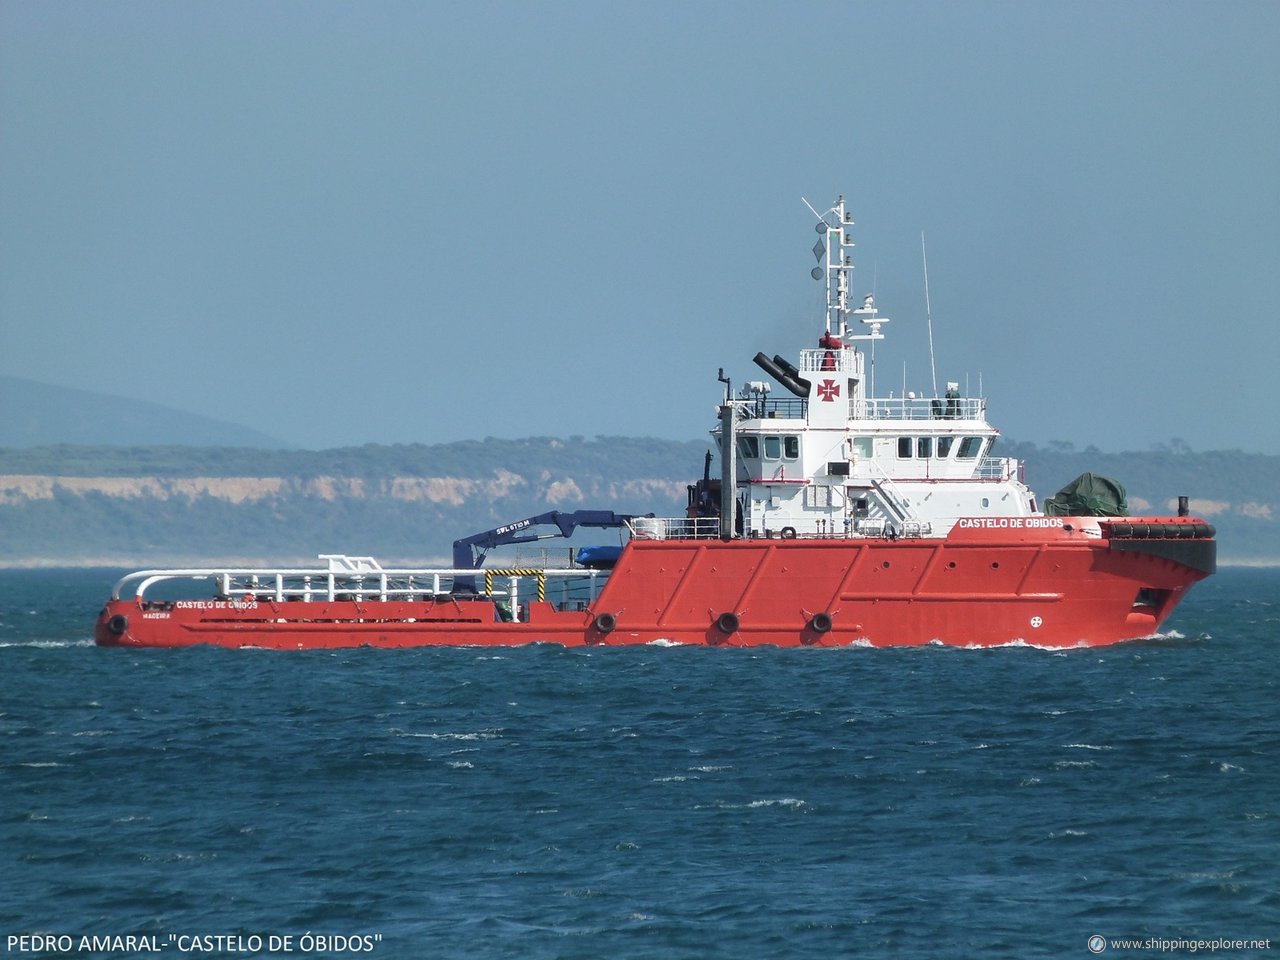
(928, 313)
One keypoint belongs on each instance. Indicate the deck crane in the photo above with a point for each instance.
(469, 552)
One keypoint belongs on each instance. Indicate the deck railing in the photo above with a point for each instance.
(875, 408)
(996, 468)
(675, 528)
(708, 528)
(238, 587)
(919, 408)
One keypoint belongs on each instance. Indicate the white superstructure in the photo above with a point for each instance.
(834, 461)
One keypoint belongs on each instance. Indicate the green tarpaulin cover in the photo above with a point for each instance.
(1089, 495)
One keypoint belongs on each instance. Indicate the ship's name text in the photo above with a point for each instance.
(1010, 523)
(216, 604)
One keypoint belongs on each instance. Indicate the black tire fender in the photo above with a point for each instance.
(728, 623)
(820, 622)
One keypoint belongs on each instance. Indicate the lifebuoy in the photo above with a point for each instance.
(118, 624)
(727, 623)
(787, 533)
(606, 622)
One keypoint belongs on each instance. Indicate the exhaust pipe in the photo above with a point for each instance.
(795, 384)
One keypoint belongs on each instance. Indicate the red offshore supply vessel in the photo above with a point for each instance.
(838, 518)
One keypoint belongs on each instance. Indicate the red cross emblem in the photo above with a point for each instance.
(828, 390)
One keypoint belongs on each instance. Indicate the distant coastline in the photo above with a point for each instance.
(142, 507)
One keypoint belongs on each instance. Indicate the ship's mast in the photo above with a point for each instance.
(833, 250)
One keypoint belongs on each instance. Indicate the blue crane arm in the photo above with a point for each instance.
(469, 552)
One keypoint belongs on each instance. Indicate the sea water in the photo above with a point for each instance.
(659, 801)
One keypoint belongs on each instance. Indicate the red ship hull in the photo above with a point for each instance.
(1060, 582)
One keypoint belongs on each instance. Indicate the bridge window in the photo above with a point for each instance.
(772, 448)
(924, 447)
(904, 447)
(970, 447)
(944, 447)
(749, 447)
(791, 448)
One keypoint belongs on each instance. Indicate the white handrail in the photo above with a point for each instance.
(313, 583)
(920, 408)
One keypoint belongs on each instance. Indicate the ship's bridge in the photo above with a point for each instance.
(838, 460)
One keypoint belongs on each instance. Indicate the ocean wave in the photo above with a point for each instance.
(648, 784)
(1020, 643)
(475, 735)
(47, 644)
(788, 802)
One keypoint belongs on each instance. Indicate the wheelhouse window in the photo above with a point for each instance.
(970, 447)
(944, 447)
(749, 447)
(905, 445)
(790, 448)
(924, 447)
(772, 448)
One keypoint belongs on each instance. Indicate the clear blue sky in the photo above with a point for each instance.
(418, 222)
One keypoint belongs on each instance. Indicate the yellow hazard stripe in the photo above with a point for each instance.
(517, 572)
